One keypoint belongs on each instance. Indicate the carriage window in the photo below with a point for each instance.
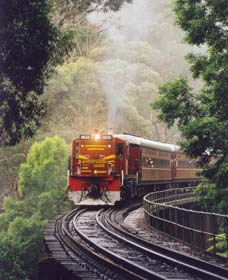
(186, 163)
(156, 163)
(77, 151)
(120, 150)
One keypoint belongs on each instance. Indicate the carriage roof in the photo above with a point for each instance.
(147, 143)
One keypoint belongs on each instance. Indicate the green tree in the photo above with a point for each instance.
(71, 96)
(42, 180)
(71, 12)
(20, 113)
(71, 16)
(23, 246)
(10, 160)
(202, 117)
(29, 49)
(45, 167)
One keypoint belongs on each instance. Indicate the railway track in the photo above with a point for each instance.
(90, 264)
(103, 249)
(195, 265)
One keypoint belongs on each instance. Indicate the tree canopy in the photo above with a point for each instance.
(43, 189)
(44, 169)
(70, 98)
(29, 48)
(129, 64)
(202, 116)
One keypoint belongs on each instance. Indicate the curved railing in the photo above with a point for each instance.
(206, 231)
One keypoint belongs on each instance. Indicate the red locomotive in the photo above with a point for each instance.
(109, 168)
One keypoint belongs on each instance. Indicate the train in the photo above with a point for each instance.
(108, 168)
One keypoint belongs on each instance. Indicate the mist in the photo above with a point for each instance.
(142, 35)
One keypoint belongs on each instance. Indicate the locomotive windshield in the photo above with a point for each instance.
(77, 151)
(90, 149)
(120, 150)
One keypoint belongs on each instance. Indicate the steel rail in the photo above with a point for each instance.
(69, 240)
(174, 254)
(141, 272)
(192, 265)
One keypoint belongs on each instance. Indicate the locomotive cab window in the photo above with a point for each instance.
(77, 151)
(120, 150)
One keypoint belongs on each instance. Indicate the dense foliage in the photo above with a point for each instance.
(99, 71)
(10, 161)
(75, 100)
(43, 195)
(29, 50)
(121, 69)
(30, 46)
(202, 117)
(122, 86)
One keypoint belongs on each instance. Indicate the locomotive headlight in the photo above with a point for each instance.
(97, 136)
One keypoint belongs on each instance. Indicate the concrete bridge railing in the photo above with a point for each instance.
(167, 212)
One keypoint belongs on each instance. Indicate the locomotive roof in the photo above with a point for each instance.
(147, 143)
